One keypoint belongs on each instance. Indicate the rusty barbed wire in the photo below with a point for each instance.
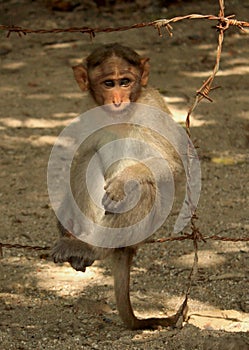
(203, 238)
(183, 237)
(224, 24)
(203, 92)
(20, 246)
(196, 236)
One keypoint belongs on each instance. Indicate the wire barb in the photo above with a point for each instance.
(224, 23)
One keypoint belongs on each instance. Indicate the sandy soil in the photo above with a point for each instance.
(46, 306)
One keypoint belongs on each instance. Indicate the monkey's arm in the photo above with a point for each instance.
(136, 178)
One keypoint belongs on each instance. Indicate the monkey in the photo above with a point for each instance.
(115, 76)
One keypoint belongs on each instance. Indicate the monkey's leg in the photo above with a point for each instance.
(122, 259)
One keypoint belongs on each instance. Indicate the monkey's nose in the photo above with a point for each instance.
(117, 104)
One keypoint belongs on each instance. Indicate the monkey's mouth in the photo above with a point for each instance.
(117, 108)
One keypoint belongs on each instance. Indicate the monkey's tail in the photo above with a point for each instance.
(122, 259)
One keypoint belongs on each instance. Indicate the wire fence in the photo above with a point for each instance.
(223, 23)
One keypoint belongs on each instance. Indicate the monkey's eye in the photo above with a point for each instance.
(109, 83)
(125, 82)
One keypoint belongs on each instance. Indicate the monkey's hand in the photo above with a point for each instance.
(124, 190)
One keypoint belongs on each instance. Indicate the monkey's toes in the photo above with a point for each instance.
(80, 264)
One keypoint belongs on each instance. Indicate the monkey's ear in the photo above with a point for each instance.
(145, 71)
(80, 74)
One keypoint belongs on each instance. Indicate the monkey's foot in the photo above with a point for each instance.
(73, 251)
(153, 323)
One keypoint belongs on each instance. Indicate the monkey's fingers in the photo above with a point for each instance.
(114, 189)
(111, 203)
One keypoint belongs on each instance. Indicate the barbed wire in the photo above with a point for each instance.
(223, 24)
(183, 237)
(20, 246)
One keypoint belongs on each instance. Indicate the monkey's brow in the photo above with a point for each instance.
(113, 75)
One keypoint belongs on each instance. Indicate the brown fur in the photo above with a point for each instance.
(114, 63)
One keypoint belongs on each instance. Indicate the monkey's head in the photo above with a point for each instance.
(114, 75)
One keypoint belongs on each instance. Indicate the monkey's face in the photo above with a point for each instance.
(115, 82)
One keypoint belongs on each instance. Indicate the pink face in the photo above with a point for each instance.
(115, 82)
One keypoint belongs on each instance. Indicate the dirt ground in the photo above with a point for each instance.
(48, 306)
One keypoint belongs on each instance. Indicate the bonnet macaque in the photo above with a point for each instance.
(114, 76)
